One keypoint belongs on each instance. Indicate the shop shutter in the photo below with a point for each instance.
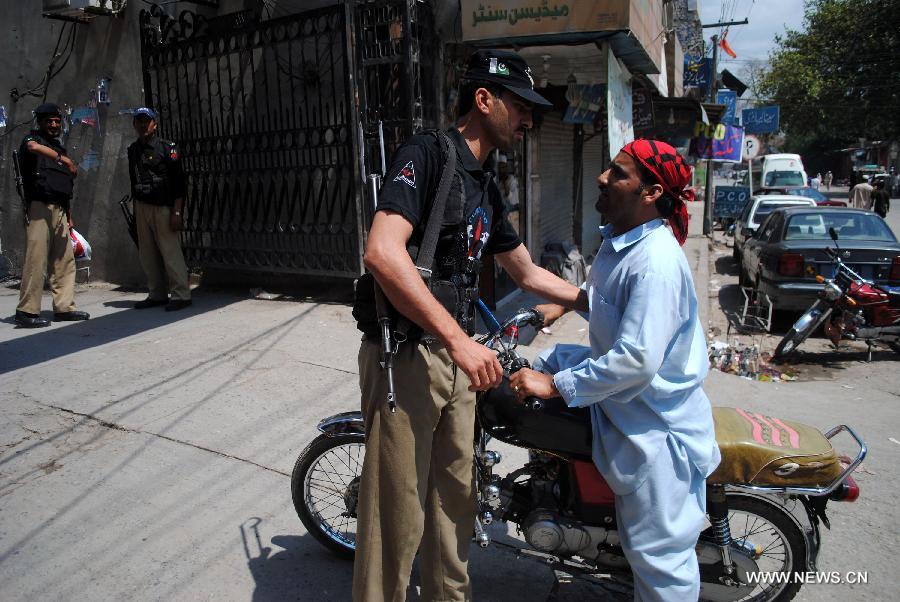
(557, 140)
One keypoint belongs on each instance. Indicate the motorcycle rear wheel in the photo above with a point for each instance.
(802, 328)
(754, 522)
(325, 490)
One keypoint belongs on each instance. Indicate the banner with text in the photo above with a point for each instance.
(618, 106)
(729, 99)
(718, 142)
(730, 200)
(763, 120)
(696, 72)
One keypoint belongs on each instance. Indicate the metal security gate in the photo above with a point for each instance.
(264, 113)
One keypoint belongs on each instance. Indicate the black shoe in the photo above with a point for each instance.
(176, 304)
(27, 320)
(71, 316)
(148, 302)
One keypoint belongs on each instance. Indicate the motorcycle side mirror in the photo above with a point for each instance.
(746, 233)
(832, 233)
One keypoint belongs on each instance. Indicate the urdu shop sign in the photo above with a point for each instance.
(522, 18)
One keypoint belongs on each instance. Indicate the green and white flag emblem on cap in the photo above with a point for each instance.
(498, 67)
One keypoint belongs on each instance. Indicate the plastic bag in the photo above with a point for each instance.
(80, 245)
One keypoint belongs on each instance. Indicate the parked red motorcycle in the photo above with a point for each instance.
(764, 502)
(851, 307)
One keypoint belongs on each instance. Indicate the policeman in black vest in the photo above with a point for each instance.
(158, 189)
(417, 481)
(48, 176)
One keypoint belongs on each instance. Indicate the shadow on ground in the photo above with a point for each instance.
(45, 344)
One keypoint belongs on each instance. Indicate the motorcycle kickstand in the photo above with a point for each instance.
(869, 345)
(559, 578)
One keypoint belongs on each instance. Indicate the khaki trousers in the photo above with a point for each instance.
(47, 246)
(417, 477)
(160, 251)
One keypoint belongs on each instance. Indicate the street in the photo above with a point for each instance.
(146, 455)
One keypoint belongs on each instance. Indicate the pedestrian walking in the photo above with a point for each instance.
(861, 195)
(417, 490)
(48, 176)
(158, 188)
(642, 376)
(817, 181)
(881, 199)
(829, 177)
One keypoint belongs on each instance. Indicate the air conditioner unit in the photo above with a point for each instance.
(81, 9)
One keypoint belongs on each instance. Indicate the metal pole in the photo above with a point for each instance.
(713, 88)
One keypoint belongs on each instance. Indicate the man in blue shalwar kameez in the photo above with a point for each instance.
(654, 440)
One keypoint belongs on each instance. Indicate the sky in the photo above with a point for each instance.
(756, 40)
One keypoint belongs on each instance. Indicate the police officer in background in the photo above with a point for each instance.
(48, 176)
(158, 188)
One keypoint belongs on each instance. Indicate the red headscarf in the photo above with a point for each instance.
(673, 174)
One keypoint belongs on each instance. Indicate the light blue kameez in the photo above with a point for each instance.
(654, 440)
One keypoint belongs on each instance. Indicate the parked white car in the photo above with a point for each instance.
(755, 212)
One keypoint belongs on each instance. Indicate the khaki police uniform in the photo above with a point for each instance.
(48, 188)
(157, 180)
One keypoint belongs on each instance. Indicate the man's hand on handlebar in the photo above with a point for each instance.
(531, 383)
(551, 312)
(478, 362)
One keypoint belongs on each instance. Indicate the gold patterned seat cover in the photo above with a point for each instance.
(764, 450)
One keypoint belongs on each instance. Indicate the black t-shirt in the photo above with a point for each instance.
(409, 189)
(412, 182)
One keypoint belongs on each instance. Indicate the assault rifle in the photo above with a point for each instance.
(388, 346)
(20, 187)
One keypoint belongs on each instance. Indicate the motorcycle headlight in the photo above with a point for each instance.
(833, 292)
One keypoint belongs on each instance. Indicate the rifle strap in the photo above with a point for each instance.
(425, 256)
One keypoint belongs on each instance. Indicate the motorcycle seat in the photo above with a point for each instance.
(767, 451)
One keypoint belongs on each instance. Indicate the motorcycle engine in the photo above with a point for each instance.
(547, 531)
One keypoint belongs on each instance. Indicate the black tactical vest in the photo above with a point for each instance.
(43, 178)
(454, 277)
(149, 164)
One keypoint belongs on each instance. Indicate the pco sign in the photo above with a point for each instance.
(713, 131)
(730, 201)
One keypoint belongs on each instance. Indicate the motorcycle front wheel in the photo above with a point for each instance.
(325, 489)
(801, 329)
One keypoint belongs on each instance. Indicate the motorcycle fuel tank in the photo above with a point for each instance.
(554, 427)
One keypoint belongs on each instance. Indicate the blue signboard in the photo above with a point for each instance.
(730, 201)
(718, 142)
(729, 99)
(697, 70)
(763, 120)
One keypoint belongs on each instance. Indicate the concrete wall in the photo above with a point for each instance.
(107, 47)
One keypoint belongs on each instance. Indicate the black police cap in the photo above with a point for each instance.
(507, 69)
(48, 109)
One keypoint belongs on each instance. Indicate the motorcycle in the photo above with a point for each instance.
(764, 502)
(851, 307)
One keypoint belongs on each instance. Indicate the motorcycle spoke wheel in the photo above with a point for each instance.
(325, 490)
(801, 330)
(780, 544)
